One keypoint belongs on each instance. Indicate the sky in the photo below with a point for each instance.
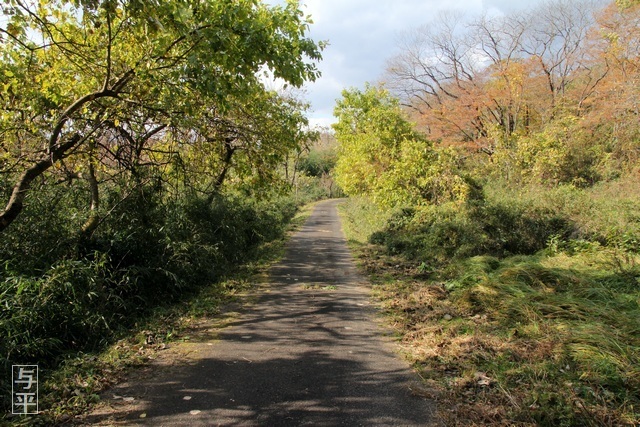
(364, 34)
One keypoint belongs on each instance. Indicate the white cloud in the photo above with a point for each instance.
(321, 123)
(364, 34)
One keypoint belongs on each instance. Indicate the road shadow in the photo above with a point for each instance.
(309, 351)
(313, 388)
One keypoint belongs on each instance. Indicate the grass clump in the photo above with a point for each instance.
(78, 297)
(518, 309)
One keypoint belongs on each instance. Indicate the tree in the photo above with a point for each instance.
(381, 155)
(555, 38)
(435, 75)
(87, 82)
(613, 109)
(247, 142)
(482, 83)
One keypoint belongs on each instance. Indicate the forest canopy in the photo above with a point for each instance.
(547, 95)
(96, 91)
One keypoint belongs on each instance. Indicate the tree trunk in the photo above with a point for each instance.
(94, 218)
(56, 151)
(16, 201)
(228, 154)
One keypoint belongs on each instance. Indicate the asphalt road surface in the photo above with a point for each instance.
(309, 352)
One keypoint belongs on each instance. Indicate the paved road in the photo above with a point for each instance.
(309, 352)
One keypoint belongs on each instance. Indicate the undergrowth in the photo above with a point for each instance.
(520, 308)
(143, 270)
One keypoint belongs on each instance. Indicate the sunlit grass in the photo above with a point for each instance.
(535, 329)
(549, 338)
(361, 218)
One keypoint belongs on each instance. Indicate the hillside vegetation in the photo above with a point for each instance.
(143, 160)
(494, 203)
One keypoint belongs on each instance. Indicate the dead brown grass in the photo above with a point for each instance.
(481, 372)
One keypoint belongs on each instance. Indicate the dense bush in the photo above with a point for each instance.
(318, 162)
(519, 306)
(315, 179)
(515, 221)
(496, 228)
(71, 294)
(45, 233)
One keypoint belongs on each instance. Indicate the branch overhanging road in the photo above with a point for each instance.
(309, 352)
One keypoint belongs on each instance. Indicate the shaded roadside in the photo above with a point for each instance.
(309, 352)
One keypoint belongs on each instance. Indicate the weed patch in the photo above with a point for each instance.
(513, 313)
(152, 274)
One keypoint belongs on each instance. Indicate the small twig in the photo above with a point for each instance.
(506, 393)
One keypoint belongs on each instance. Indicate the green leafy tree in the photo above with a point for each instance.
(318, 162)
(91, 86)
(245, 144)
(382, 156)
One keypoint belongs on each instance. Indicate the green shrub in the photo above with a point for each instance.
(361, 218)
(606, 213)
(511, 221)
(442, 233)
(149, 251)
(318, 162)
(512, 228)
(47, 229)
